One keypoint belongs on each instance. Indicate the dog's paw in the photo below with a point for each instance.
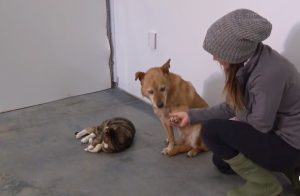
(195, 151)
(167, 151)
(192, 153)
(174, 120)
(164, 151)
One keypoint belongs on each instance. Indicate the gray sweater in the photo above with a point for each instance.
(272, 94)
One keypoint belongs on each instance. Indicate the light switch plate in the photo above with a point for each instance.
(152, 39)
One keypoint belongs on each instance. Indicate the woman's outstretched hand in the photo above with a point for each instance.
(179, 119)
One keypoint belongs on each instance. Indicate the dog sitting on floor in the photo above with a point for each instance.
(168, 93)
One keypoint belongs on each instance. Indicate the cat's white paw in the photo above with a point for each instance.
(95, 149)
(87, 138)
(105, 145)
(90, 147)
(81, 133)
(84, 140)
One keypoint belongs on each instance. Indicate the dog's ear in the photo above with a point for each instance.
(165, 67)
(139, 75)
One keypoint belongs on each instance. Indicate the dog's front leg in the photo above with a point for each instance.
(170, 138)
(163, 115)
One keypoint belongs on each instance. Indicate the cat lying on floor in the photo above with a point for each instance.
(113, 135)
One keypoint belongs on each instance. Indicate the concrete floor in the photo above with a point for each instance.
(39, 155)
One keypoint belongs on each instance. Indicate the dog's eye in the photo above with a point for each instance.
(162, 89)
(150, 92)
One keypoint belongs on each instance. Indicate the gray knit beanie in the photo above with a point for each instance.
(234, 37)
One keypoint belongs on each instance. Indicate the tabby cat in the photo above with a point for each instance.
(113, 135)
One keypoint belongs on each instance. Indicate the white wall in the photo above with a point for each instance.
(181, 27)
(51, 50)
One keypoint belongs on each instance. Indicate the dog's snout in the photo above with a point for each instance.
(160, 105)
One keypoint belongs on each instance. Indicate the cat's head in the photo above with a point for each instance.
(112, 137)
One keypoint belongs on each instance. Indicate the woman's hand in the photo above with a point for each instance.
(179, 119)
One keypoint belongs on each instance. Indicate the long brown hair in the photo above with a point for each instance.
(233, 91)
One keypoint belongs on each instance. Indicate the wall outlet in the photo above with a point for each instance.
(152, 39)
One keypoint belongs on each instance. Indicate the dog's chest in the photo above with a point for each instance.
(162, 113)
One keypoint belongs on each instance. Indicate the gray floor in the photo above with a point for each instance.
(40, 156)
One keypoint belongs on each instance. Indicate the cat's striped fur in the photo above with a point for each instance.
(113, 135)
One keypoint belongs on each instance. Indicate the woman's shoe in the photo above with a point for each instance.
(259, 181)
(294, 177)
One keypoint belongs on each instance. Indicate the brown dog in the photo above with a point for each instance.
(168, 93)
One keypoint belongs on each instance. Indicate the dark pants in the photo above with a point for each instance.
(227, 138)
